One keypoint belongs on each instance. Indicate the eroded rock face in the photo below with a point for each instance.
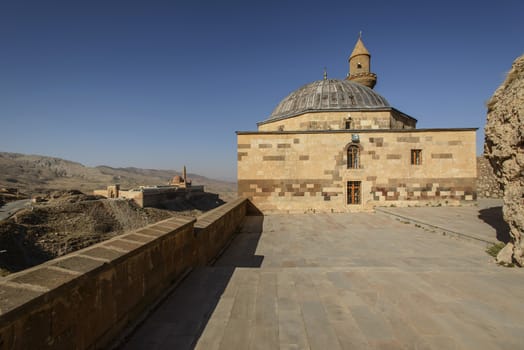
(504, 147)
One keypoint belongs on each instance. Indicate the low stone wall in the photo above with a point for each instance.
(85, 299)
(211, 226)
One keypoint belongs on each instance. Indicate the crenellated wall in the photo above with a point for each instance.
(84, 299)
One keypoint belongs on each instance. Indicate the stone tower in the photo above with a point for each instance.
(360, 65)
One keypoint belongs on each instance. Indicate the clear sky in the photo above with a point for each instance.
(160, 84)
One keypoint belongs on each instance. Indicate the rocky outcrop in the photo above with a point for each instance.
(488, 185)
(504, 147)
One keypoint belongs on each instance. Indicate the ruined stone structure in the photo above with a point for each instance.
(504, 147)
(113, 191)
(152, 196)
(337, 146)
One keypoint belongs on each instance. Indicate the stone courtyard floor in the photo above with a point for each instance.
(342, 281)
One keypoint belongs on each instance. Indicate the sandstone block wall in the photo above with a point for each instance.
(100, 193)
(307, 171)
(151, 197)
(158, 196)
(400, 121)
(330, 120)
(214, 229)
(84, 299)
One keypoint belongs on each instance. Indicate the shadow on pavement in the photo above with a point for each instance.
(241, 252)
(493, 217)
(179, 321)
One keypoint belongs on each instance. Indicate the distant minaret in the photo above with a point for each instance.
(360, 65)
(185, 175)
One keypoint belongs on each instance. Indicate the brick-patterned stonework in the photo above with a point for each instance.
(441, 155)
(358, 120)
(290, 188)
(400, 121)
(308, 171)
(425, 190)
(410, 139)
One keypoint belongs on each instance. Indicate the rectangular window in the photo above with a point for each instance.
(416, 156)
(354, 192)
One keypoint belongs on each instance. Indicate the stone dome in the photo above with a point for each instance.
(329, 95)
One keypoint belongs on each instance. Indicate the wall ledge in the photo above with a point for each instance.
(85, 299)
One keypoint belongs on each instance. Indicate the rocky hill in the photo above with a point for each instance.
(504, 147)
(36, 174)
(70, 219)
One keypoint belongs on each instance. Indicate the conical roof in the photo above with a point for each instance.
(359, 49)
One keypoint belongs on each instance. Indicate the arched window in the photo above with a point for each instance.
(353, 157)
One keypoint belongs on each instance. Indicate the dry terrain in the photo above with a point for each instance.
(73, 219)
(34, 174)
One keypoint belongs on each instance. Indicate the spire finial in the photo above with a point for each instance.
(325, 73)
(360, 34)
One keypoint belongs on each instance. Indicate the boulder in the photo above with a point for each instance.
(505, 255)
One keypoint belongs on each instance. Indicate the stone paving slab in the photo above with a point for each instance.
(341, 281)
(482, 222)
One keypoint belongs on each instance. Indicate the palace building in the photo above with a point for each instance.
(338, 146)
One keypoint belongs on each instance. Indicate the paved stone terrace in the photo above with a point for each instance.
(341, 281)
(483, 222)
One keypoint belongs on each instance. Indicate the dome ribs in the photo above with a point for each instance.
(329, 94)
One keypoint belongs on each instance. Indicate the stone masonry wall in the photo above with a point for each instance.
(333, 121)
(303, 172)
(487, 183)
(85, 299)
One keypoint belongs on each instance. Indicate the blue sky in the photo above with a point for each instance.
(160, 84)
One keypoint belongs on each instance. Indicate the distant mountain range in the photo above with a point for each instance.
(35, 174)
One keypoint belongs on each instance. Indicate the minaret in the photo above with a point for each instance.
(360, 65)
